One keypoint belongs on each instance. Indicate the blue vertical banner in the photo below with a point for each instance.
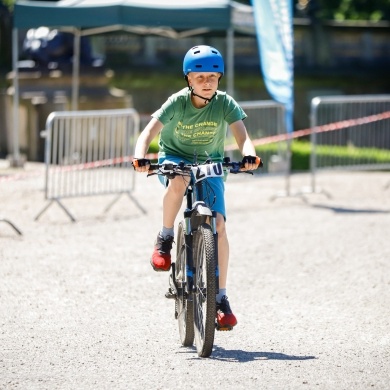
(273, 20)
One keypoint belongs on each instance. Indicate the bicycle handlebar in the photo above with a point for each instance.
(179, 169)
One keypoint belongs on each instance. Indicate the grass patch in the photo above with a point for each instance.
(149, 81)
(327, 155)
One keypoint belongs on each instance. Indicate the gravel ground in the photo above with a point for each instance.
(309, 281)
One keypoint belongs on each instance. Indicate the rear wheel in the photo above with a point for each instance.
(184, 308)
(205, 289)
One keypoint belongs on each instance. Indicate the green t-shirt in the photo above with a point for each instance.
(188, 129)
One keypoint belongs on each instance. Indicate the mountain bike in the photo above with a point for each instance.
(194, 277)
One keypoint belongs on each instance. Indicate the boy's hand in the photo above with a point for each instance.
(141, 164)
(250, 163)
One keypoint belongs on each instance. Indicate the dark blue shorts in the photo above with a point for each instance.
(213, 187)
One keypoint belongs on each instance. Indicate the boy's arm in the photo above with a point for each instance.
(146, 137)
(242, 138)
(244, 143)
(144, 140)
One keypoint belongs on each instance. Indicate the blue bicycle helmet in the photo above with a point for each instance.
(203, 59)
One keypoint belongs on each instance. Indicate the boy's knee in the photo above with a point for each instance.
(177, 186)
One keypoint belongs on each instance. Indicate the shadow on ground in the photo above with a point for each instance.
(346, 210)
(240, 356)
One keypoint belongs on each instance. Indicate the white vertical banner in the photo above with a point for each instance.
(273, 20)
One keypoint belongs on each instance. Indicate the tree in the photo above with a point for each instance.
(373, 10)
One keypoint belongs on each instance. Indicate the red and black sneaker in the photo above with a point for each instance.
(161, 258)
(225, 317)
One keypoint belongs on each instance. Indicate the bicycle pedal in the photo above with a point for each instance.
(170, 294)
(223, 328)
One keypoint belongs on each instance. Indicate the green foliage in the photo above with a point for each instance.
(153, 148)
(134, 80)
(372, 10)
(9, 3)
(334, 155)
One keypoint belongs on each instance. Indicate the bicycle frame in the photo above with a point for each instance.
(195, 214)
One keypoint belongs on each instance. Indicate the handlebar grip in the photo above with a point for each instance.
(253, 159)
(259, 161)
(140, 162)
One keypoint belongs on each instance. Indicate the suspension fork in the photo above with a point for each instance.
(213, 224)
(188, 239)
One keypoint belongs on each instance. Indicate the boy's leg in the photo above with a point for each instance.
(172, 200)
(225, 317)
(223, 251)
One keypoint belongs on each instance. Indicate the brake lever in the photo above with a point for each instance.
(151, 173)
(236, 171)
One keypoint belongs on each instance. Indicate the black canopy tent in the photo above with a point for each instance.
(170, 18)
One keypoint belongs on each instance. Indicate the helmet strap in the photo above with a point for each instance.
(206, 100)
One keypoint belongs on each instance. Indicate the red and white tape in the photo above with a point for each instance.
(19, 176)
(319, 129)
(261, 141)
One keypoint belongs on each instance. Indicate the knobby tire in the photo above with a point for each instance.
(184, 308)
(205, 289)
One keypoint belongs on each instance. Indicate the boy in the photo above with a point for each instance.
(194, 120)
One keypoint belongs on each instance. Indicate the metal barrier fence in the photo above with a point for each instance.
(266, 118)
(350, 132)
(88, 153)
(8, 222)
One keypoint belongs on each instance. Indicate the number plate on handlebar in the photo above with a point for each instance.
(202, 172)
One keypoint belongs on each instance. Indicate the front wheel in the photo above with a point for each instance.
(184, 307)
(205, 289)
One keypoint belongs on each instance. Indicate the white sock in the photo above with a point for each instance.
(222, 292)
(165, 232)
